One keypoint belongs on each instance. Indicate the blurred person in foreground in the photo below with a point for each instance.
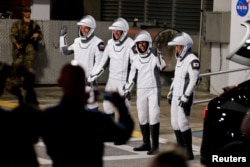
(20, 127)
(25, 35)
(75, 136)
(171, 156)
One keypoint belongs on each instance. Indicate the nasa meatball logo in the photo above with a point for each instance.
(242, 7)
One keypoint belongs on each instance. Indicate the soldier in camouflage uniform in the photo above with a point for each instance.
(25, 35)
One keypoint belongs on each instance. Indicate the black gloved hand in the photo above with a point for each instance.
(63, 30)
(90, 84)
(183, 101)
(127, 95)
(187, 111)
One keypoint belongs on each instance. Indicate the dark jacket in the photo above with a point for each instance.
(74, 136)
(20, 131)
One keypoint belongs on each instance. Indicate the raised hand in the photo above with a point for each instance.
(63, 30)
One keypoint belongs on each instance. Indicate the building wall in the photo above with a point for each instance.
(219, 51)
(66, 10)
(92, 7)
(41, 10)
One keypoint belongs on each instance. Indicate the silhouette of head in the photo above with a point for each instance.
(72, 80)
(172, 156)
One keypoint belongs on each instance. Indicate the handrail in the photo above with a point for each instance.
(223, 72)
(201, 101)
(217, 73)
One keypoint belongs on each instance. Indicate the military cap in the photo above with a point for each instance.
(26, 9)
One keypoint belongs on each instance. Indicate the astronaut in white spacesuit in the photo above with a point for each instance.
(145, 73)
(87, 50)
(118, 55)
(182, 90)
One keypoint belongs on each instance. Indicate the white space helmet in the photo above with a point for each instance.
(122, 25)
(88, 21)
(182, 39)
(143, 36)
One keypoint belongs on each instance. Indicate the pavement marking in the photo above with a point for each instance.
(136, 134)
(124, 157)
(8, 104)
(126, 148)
(134, 155)
(43, 161)
(196, 149)
(40, 143)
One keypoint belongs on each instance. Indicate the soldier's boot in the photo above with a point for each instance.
(154, 129)
(146, 146)
(187, 140)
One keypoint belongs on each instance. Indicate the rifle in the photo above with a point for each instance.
(27, 39)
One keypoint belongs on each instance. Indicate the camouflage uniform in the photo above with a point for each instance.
(21, 33)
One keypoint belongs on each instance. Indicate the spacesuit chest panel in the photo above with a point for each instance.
(84, 45)
(181, 69)
(145, 67)
(84, 54)
(118, 48)
(81, 48)
(143, 64)
(119, 61)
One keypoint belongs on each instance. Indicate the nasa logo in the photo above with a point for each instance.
(242, 7)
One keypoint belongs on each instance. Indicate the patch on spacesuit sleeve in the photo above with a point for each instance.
(195, 64)
(101, 46)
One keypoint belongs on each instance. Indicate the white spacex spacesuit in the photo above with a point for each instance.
(118, 55)
(182, 90)
(145, 73)
(87, 51)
